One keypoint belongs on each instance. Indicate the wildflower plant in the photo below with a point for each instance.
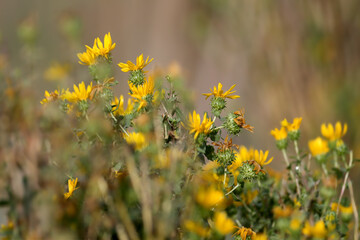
(144, 166)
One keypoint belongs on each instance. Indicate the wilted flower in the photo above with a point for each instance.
(244, 232)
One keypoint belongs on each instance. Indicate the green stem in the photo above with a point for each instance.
(325, 170)
(291, 172)
(336, 164)
(345, 181)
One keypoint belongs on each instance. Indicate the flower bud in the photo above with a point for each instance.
(137, 77)
(217, 105)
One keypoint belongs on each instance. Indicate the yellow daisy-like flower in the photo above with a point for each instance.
(245, 232)
(196, 126)
(80, 93)
(223, 224)
(118, 106)
(137, 140)
(209, 197)
(295, 224)
(242, 156)
(333, 134)
(318, 146)
(101, 49)
(87, 58)
(72, 187)
(280, 212)
(261, 236)
(140, 93)
(294, 126)
(260, 157)
(194, 227)
(249, 196)
(53, 96)
(220, 93)
(50, 97)
(140, 64)
(279, 134)
(317, 231)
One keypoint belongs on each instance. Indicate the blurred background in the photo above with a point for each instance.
(287, 58)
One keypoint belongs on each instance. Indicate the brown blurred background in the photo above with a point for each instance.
(287, 58)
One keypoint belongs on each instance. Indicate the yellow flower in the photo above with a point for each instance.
(53, 96)
(209, 197)
(137, 140)
(249, 197)
(317, 231)
(279, 134)
(101, 49)
(118, 106)
(72, 187)
(280, 212)
(333, 134)
(80, 93)
(87, 58)
(318, 146)
(295, 224)
(242, 156)
(346, 210)
(142, 93)
(9, 226)
(292, 126)
(56, 72)
(223, 224)
(261, 236)
(245, 232)
(140, 64)
(260, 157)
(194, 227)
(196, 126)
(220, 93)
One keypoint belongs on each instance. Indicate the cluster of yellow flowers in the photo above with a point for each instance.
(232, 184)
(319, 146)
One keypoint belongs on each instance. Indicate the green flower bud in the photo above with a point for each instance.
(246, 172)
(83, 106)
(137, 77)
(230, 125)
(341, 148)
(282, 144)
(100, 71)
(327, 192)
(321, 158)
(225, 157)
(217, 105)
(294, 135)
